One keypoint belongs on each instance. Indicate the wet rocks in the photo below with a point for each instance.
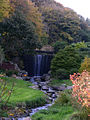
(34, 87)
(44, 88)
(45, 77)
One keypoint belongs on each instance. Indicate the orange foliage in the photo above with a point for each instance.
(81, 86)
(31, 12)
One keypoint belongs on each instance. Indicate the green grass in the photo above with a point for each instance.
(56, 82)
(55, 113)
(22, 93)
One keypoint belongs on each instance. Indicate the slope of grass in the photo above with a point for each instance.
(22, 93)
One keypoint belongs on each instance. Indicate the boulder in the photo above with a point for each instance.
(44, 88)
(62, 88)
(50, 91)
(69, 87)
(27, 118)
(38, 79)
(34, 87)
(14, 76)
(45, 77)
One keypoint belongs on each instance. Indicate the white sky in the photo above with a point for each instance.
(82, 7)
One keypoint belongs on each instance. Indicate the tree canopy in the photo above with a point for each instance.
(66, 59)
(18, 34)
(5, 9)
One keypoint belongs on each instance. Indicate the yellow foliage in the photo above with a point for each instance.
(85, 65)
(5, 9)
(31, 12)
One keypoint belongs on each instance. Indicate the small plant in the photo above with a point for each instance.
(9, 73)
(62, 74)
(64, 98)
(5, 94)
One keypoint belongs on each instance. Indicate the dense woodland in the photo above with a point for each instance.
(31, 24)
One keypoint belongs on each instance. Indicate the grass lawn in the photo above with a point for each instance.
(22, 93)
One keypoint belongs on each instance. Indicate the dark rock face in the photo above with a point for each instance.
(7, 66)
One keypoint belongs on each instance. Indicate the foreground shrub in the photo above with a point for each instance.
(9, 73)
(64, 98)
(80, 92)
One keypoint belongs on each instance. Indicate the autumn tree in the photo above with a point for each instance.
(5, 9)
(62, 24)
(18, 35)
(85, 65)
(31, 13)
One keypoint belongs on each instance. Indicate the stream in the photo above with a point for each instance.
(47, 90)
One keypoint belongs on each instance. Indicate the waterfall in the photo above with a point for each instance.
(37, 65)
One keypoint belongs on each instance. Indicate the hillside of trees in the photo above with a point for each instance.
(61, 23)
(30, 24)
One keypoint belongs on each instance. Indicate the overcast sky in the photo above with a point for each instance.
(82, 7)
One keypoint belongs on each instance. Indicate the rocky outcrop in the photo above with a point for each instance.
(47, 48)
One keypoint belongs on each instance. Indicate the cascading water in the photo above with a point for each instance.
(41, 64)
(37, 65)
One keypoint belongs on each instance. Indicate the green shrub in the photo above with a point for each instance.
(9, 73)
(80, 116)
(67, 59)
(73, 70)
(62, 74)
(64, 98)
(2, 71)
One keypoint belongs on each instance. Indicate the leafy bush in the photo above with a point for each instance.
(66, 59)
(64, 98)
(80, 91)
(73, 70)
(2, 71)
(79, 45)
(62, 74)
(9, 73)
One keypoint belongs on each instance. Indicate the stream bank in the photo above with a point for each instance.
(52, 92)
